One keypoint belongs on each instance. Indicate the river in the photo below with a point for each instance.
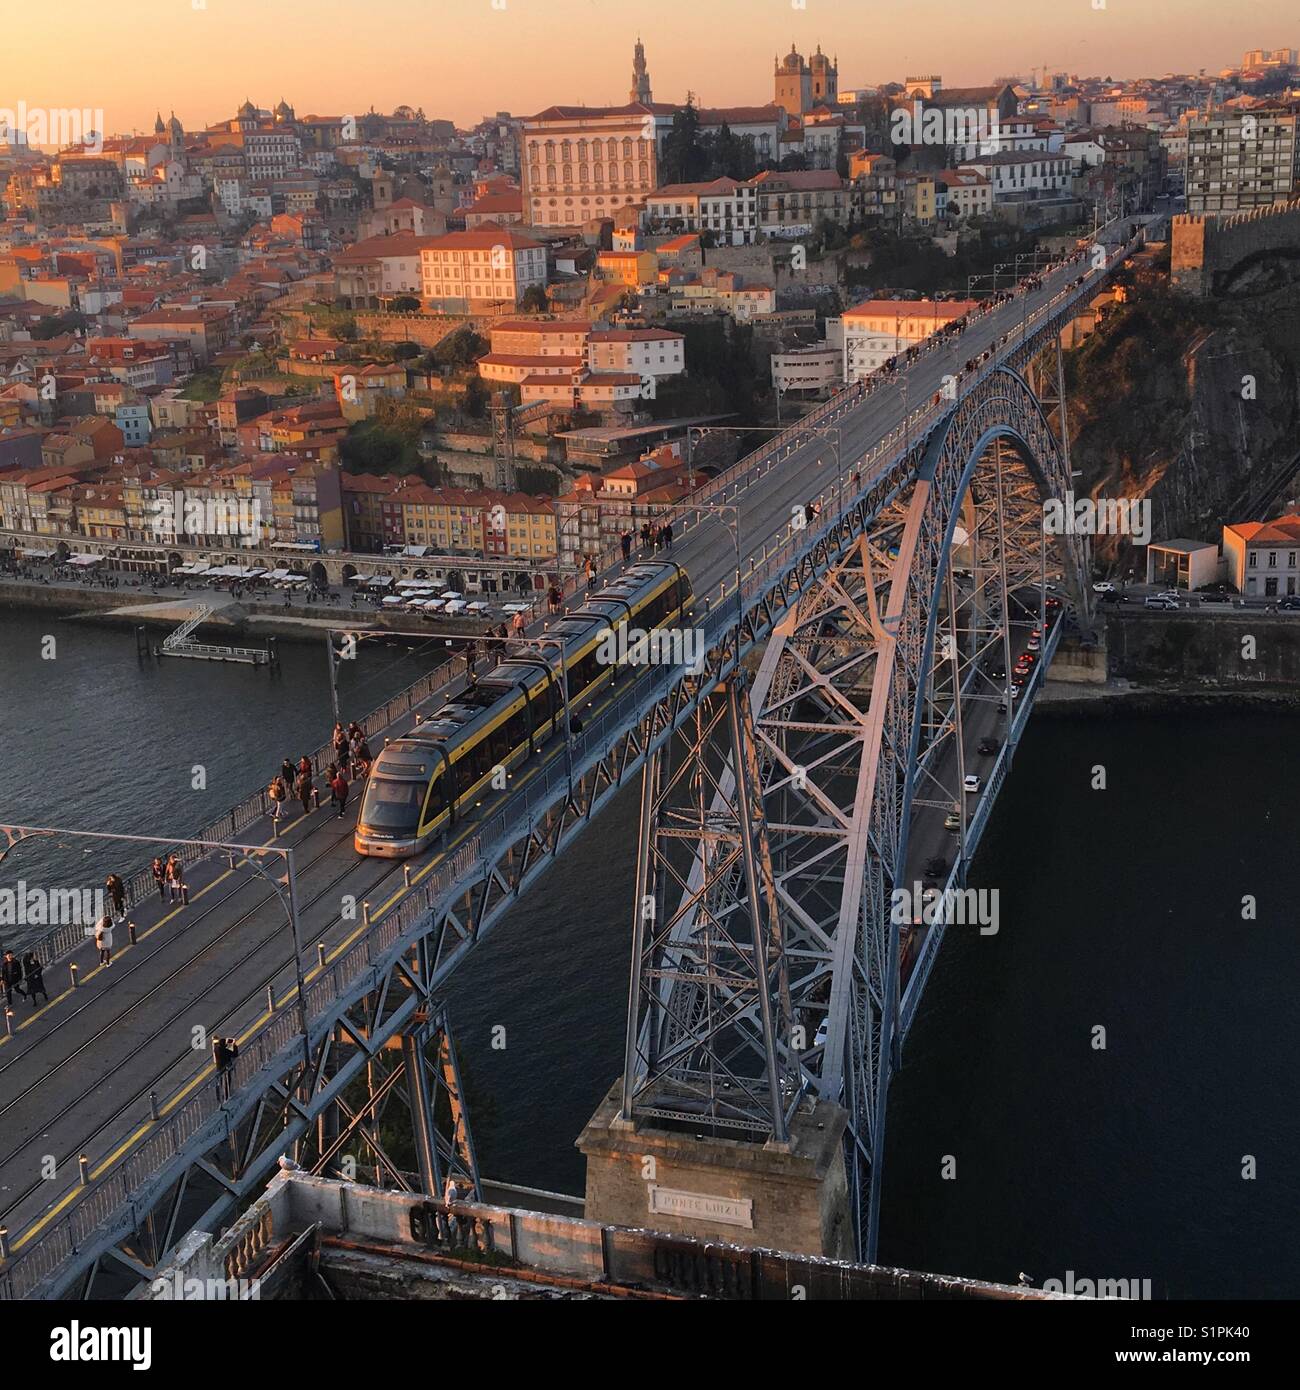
(1020, 1137)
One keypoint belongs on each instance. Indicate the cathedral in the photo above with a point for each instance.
(801, 86)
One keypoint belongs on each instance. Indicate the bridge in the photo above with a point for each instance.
(866, 581)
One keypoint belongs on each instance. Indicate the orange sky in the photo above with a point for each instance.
(466, 58)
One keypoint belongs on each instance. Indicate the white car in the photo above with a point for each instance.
(1159, 601)
(970, 783)
(1103, 586)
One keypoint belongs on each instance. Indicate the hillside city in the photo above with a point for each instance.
(381, 334)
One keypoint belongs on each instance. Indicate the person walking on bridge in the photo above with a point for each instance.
(287, 773)
(160, 877)
(517, 625)
(34, 977)
(176, 881)
(11, 977)
(339, 790)
(116, 890)
(276, 794)
(625, 542)
(667, 534)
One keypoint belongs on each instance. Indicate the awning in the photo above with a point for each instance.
(85, 561)
(39, 554)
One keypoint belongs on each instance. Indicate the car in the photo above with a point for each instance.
(1114, 598)
(970, 783)
(1290, 603)
(935, 867)
(823, 1028)
(1216, 598)
(1103, 586)
(998, 671)
(1174, 594)
(988, 747)
(1159, 601)
(952, 821)
(1033, 645)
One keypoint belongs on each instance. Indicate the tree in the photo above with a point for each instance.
(534, 300)
(404, 304)
(476, 397)
(460, 349)
(684, 158)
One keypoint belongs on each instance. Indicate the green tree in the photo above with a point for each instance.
(684, 158)
(534, 300)
(404, 304)
(460, 349)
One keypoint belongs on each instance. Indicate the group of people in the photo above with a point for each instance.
(169, 879)
(352, 759)
(26, 977)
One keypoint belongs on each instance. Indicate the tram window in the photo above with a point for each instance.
(517, 728)
(499, 742)
(480, 760)
(437, 803)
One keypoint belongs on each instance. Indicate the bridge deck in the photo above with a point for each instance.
(76, 1076)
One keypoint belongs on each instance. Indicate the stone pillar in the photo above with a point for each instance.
(792, 1197)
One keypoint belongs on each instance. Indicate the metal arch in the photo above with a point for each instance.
(847, 971)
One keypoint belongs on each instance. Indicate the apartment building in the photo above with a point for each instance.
(791, 204)
(877, 329)
(463, 521)
(465, 272)
(380, 267)
(725, 207)
(1024, 175)
(1238, 160)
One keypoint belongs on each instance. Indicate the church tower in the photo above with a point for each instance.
(640, 77)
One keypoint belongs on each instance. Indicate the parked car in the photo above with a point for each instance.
(1290, 603)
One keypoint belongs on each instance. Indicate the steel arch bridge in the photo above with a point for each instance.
(788, 787)
(769, 962)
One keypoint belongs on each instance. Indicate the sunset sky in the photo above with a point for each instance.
(463, 59)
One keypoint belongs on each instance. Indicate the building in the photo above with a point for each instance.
(1024, 175)
(1263, 557)
(799, 85)
(969, 194)
(631, 268)
(465, 272)
(1182, 564)
(205, 329)
(479, 522)
(380, 267)
(818, 369)
(877, 329)
(644, 352)
(640, 76)
(790, 204)
(581, 163)
(725, 208)
(1238, 160)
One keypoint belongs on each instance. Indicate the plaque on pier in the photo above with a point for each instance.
(702, 1206)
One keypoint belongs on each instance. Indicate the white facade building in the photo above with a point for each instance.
(464, 270)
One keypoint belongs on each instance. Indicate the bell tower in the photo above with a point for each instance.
(640, 77)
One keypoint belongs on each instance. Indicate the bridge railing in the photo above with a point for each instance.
(280, 1034)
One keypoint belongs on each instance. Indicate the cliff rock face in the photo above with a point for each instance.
(1194, 404)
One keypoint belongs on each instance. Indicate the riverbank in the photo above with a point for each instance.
(243, 617)
(1124, 697)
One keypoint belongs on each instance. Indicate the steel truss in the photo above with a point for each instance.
(856, 724)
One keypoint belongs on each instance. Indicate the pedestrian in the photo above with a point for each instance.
(645, 535)
(668, 535)
(364, 757)
(287, 773)
(809, 513)
(304, 765)
(303, 789)
(625, 540)
(591, 572)
(517, 625)
(224, 1052)
(339, 788)
(11, 977)
(34, 977)
(104, 940)
(176, 884)
(855, 482)
(554, 599)
(160, 877)
(339, 740)
(276, 793)
(116, 890)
